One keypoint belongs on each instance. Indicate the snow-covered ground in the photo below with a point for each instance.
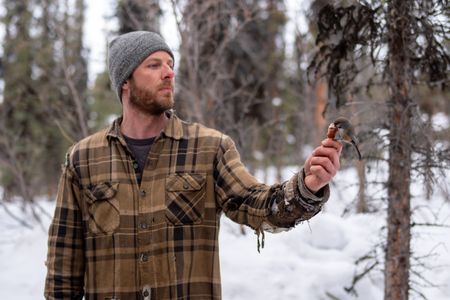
(314, 261)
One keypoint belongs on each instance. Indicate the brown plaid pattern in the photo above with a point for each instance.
(113, 239)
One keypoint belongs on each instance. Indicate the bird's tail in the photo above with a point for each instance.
(357, 150)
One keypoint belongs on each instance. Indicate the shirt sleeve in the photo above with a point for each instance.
(263, 207)
(65, 257)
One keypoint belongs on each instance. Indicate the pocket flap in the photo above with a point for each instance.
(185, 182)
(102, 191)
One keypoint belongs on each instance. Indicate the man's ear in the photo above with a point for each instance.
(126, 85)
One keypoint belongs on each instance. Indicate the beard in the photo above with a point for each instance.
(148, 101)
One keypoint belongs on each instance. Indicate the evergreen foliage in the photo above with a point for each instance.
(44, 98)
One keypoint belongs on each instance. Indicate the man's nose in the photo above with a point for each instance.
(168, 72)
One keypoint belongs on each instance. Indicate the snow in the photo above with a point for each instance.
(440, 121)
(22, 254)
(304, 263)
(314, 261)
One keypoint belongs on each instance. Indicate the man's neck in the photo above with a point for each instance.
(139, 125)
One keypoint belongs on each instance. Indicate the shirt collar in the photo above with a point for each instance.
(173, 129)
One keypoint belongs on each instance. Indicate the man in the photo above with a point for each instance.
(139, 203)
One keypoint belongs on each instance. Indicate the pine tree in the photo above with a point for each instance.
(45, 87)
(20, 140)
(74, 71)
(412, 35)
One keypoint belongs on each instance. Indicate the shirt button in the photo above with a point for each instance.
(144, 257)
(185, 186)
(143, 193)
(146, 293)
(144, 225)
(135, 165)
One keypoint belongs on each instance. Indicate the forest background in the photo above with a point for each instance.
(270, 73)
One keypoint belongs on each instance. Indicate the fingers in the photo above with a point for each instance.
(326, 155)
(332, 144)
(321, 174)
(323, 164)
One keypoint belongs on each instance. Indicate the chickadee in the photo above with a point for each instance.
(342, 130)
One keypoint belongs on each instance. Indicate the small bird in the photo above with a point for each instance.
(342, 130)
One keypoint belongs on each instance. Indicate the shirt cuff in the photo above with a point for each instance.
(321, 195)
(296, 189)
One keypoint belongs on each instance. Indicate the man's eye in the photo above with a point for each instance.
(154, 66)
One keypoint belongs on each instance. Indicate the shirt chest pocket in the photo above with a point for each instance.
(185, 198)
(103, 213)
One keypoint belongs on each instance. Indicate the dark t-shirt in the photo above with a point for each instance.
(139, 148)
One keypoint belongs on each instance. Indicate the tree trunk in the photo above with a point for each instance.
(400, 106)
(360, 165)
(321, 90)
(361, 207)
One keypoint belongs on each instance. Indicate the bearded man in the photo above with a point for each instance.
(139, 203)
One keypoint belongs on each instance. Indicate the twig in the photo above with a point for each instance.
(64, 132)
(358, 277)
(429, 225)
(175, 14)
(14, 217)
(331, 296)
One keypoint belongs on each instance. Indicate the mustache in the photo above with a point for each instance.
(166, 84)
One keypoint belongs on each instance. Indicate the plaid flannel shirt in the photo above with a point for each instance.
(113, 239)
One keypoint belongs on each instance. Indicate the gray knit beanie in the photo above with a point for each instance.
(129, 50)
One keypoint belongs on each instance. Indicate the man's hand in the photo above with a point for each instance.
(322, 165)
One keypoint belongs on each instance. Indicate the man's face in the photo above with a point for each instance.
(152, 84)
